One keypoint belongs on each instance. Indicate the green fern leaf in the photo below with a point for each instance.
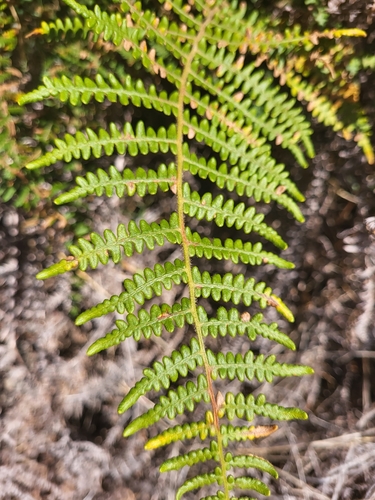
(247, 407)
(246, 461)
(211, 453)
(237, 251)
(206, 428)
(111, 27)
(198, 482)
(162, 374)
(140, 141)
(237, 289)
(130, 183)
(176, 403)
(238, 366)
(141, 287)
(233, 323)
(74, 26)
(180, 433)
(226, 213)
(215, 477)
(214, 78)
(131, 239)
(146, 324)
(78, 90)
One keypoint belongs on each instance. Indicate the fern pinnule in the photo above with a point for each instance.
(231, 322)
(146, 324)
(214, 477)
(134, 239)
(140, 182)
(246, 182)
(133, 142)
(203, 454)
(204, 429)
(227, 366)
(141, 287)
(152, 323)
(184, 398)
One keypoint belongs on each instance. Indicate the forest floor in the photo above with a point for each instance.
(60, 432)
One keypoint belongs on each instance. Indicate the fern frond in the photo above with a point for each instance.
(141, 287)
(244, 482)
(140, 141)
(135, 239)
(246, 407)
(227, 213)
(101, 249)
(211, 453)
(240, 366)
(146, 324)
(205, 429)
(272, 183)
(225, 116)
(225, 366)
(184, 398)
(233, 323)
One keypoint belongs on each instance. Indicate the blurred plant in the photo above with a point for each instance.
(25, 132)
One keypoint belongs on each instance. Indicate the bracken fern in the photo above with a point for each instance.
(226, 115)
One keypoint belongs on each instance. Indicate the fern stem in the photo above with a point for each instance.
(185, 245)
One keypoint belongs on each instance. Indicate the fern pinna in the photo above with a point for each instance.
(225, 116)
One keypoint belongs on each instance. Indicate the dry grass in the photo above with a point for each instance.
(60, 434)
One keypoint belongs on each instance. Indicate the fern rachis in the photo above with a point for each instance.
(234, 112)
